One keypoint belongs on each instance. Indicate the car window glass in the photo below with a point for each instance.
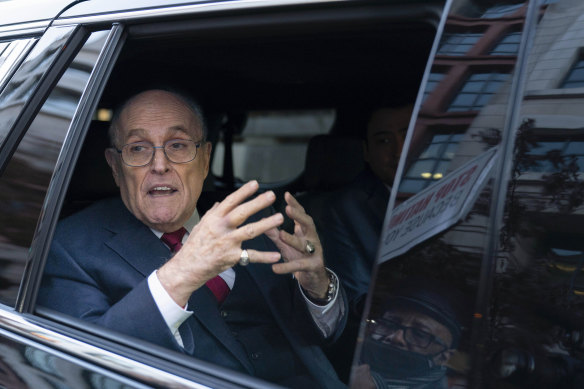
(272, 146)
(16, 93)
(434, 246)
(24, 183)
(538, 285)
(10, 53)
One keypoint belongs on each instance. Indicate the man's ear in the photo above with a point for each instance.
(206, 151)
(110, 157)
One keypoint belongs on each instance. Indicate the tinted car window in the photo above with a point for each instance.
(424, 327)
(537, 300)
(24, 82)
(10, 53)
(25, 180)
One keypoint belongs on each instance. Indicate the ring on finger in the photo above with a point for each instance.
(310, 249)
(244, 258)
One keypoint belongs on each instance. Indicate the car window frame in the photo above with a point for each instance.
(103, 338)
(144, 356)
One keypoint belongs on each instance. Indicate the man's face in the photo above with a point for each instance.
(420, 325)
(163, 195)
(385, 135)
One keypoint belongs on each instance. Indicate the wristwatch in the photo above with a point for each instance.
(331, 291)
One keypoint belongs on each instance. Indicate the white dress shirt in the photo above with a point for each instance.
(326, 317)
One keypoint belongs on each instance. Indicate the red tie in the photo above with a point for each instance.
(217, 284)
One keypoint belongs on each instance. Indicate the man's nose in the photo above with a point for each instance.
(160, 163)
(397, 338)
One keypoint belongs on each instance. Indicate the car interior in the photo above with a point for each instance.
(346, 61)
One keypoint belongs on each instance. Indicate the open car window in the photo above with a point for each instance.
(268, 89)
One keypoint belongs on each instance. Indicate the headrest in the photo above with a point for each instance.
(92, 179)
(332, 162)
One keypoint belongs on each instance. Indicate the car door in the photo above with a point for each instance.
(484, 217)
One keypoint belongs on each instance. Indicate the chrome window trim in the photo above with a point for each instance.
(231, 5)
(17, 324)
(22, 30)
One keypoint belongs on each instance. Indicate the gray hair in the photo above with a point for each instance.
(193, 106)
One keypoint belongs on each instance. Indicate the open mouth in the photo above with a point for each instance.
(161, 191)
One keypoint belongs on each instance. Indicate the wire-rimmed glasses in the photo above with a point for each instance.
(141, 153)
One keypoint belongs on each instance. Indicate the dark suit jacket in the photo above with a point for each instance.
(97, 270)
(351, 228)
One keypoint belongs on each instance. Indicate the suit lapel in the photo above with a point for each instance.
(206, 312)
(138, 246)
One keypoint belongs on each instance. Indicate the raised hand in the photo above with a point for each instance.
(307, 267)
(214, 245)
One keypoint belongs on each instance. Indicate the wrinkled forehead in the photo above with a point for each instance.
(411, 317)
(157, 111)
(415, 318)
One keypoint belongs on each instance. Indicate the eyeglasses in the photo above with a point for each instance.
(382, 329)
(176, 150)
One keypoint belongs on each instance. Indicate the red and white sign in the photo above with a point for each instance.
(435, 208)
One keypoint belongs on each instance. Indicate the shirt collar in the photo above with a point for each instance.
(189, 225)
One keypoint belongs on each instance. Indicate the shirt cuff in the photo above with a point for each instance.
(326, 317)
(174, 315)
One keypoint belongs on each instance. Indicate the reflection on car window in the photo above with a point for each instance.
(272, 146)
(25, 181)
(436, 233)
(25, 80)
(10, 53)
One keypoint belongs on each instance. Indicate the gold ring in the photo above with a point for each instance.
(244, 258)
(310, 249)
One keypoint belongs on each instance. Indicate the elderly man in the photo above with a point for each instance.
(224, 295)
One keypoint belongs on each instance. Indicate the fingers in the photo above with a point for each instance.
(296, 242)
(263, 256)
(299, 265)
(237, 197)
(297, 213)
(242, 212)
(252, 230)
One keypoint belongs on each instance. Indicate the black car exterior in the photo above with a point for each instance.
(498, 90)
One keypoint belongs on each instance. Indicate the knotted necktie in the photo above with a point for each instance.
(217, 284)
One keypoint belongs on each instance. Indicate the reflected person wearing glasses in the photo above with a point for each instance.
(410, 342)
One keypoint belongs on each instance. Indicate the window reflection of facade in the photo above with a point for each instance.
(432, 163)
(500, 11)
(509, 45)
(548, 155)
(458, 44)
(433, 81)
(477, 91)
(483, 75)
(575, 78)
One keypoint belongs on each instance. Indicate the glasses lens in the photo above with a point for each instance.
(418, 337)
(137, 154)
(180, 150)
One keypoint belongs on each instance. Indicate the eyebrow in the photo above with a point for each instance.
(421, 326)
(142, 131)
